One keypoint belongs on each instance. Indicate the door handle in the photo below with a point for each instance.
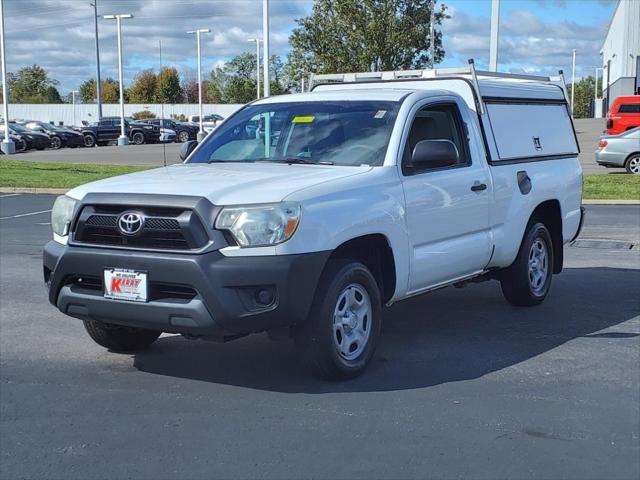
(478, 187)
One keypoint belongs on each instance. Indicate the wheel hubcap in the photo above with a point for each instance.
(634, 165)
(538, 265)
(352, 321)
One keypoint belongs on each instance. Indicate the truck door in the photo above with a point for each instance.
(108, 129)
(447, 208)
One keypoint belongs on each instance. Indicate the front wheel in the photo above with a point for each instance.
(339, 338)
(56, 143)
(632, 165)
(527, 281)
(89, 141)
(119, 338)
(138, 138)
(183, 137)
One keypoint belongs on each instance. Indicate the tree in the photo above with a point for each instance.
(143, 114)
(110, 91)
(359, 35)
(169, 89)
(583, 101)
(32, 85)
(143, 88)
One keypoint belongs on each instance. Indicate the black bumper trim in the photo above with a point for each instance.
(222, 305)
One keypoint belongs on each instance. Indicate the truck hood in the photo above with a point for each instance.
(222, 184)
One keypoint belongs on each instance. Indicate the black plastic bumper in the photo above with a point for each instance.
(226, 298)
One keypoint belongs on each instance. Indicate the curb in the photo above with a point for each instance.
(611, 202)
(56, 191)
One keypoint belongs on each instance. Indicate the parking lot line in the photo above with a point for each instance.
(24, 215)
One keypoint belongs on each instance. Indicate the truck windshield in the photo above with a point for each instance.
(330, 133)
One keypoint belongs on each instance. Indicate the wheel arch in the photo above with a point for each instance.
(549, 213)
(375, 252)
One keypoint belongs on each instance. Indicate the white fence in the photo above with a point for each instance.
(67, 114)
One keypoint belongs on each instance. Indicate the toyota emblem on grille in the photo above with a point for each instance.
(130, 223)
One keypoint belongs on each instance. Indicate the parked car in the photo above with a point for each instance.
(167, 135)
(209, 122)
(370, 196)
(108, 130)
(19, 143)
(34, 140)
(184, 131)
(58, 136)
(624, 114)
(620, 151)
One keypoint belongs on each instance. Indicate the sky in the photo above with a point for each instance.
(536, 36)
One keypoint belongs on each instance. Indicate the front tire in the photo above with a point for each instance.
(89, 140)
(632, 165)
(527, 281)
(340, 336)
(56, 143)
(183, 136)
(119, 338)
(138, 138)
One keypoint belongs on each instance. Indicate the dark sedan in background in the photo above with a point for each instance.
(34, 140)
(58, 136)
(184, 131)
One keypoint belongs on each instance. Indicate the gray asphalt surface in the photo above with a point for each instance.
(588, 132)
(462, 386)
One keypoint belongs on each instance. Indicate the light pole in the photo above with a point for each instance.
(201, 133)
(98, 83)
(8, 147)
(432, 29)
(265, 42)
(597, 108)
(257, 40)
(493, 40)
(573, 80)
(73, 101)
(122, 139)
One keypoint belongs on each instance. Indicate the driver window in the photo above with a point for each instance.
(437, 122)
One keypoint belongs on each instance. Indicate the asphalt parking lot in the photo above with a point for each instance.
(463, 385)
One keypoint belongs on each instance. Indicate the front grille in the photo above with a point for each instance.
(163, 228)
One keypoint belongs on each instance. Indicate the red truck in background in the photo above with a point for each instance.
(624, 114)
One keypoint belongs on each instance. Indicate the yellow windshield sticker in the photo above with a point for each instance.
(307, 119)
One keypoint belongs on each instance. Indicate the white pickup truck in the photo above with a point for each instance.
(370, 189)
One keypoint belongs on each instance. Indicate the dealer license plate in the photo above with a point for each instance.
(123, 284)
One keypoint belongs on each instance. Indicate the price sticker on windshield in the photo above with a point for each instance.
(303, 119)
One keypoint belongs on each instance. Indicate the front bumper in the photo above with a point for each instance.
(225, 289)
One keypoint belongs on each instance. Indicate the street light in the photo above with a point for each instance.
(8, 147)
(201, 133)
(122, 139)
(98, 83)
(257, 40)
(265, 42)
(493, 39)
(573, 80)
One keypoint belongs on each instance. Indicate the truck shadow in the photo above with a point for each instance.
(447, 336)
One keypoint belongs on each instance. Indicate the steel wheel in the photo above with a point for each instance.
(352, 321)
(56, 143)
(633, 165)
(538, 265)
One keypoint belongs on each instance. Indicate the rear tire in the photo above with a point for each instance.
(527, 281)
(340, 335)
(56, 143)
(632, 165)
(183, 136)
(119, 338)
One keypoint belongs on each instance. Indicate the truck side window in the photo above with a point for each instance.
(438, 122)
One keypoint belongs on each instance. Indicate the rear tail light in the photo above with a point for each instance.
(602, 143)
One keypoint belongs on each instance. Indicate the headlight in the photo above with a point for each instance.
(61, 215)
(148, 128)
(262, 225)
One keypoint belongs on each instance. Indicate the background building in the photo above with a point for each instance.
(621, 51)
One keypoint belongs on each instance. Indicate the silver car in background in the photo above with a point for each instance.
(621, 151)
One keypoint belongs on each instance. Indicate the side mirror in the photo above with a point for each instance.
(434, 154)
(186, 149)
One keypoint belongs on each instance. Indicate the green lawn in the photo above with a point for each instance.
(613, 186)
(19, 173)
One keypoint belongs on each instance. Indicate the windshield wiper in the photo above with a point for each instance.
(295, 160)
